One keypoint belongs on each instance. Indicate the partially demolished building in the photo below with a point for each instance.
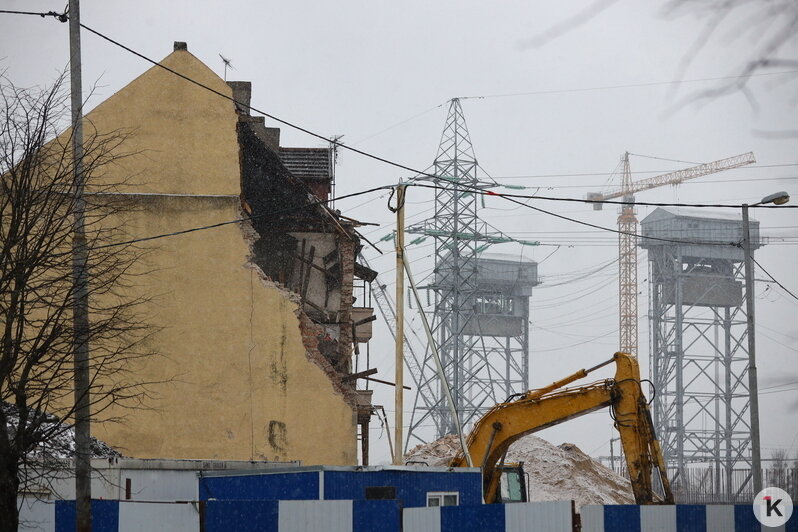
(257, 321)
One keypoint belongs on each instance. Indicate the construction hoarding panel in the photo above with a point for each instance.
(36, 515)
(411, 487)
(149, 516)
(681, 517)
(241, 516)
(274, 486)
(105, 516)
(551, 516)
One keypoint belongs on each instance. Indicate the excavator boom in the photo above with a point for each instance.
(507, 422)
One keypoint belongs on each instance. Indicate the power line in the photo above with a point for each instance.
(511, 198)
(326, 139)
(780, 385)
(761, 227)
(478, 190)
(62, 17)
(626, 86)
(779, 391)
(590, 174)
(230, 222)
(774, 279)
(560, 348)
(764, 334)
(664, 159)
(703, 182)
(582, 276)
(397, 124)
(334, 142)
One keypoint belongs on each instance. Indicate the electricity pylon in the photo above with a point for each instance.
(478, 372)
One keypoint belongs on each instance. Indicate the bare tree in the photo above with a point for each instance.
(780, 459)
(37, 195)
(781, 472)
(771, 26)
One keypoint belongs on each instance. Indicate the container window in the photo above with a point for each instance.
(443, 498)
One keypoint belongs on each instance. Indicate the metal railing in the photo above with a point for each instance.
(714, 486)
(707, 485)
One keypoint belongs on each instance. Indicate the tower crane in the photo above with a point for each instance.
(627, 226)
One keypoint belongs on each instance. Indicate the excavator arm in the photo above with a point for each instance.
(507, 422)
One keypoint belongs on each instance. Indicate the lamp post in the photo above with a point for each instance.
(779, 198)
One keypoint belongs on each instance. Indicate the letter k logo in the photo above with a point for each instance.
(772, 506)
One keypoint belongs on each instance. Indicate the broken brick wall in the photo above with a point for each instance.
(301, 245)
(347, 248)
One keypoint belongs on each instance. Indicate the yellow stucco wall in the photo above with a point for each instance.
(185, 135)
(242, 384)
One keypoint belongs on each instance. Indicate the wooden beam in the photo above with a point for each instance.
(359, 375)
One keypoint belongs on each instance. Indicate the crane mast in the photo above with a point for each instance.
(627, 236)
(627, 264)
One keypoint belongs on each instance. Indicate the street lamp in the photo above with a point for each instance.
(779, 198)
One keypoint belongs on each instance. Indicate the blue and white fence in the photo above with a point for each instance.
(387, 516)
(125, 516)
(222, 516)
(301, 516)
(548, 516)
(681, 518)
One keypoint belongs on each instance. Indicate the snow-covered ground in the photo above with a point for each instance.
(60, 443)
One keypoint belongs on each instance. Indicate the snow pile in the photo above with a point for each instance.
(59, 438)
(436, 453)
(564, 472)
(555, 473)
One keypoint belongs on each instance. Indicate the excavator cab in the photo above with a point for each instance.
(512, 483)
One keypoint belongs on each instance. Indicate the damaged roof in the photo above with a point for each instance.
(308, 163)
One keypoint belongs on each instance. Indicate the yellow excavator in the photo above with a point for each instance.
(545, 407)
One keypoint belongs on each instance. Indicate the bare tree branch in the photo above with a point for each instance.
(774, 25)
(568, 25)
(37, 195)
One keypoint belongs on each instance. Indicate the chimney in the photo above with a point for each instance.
(242, 92)
(181, 46)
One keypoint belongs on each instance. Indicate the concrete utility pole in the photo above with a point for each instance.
(753, 390)
(400, 323)
(80, 280)
(778, 198)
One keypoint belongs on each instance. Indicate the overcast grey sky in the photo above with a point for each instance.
(357, 68)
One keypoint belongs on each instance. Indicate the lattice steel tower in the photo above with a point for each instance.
(481, 308)
(699, 357)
